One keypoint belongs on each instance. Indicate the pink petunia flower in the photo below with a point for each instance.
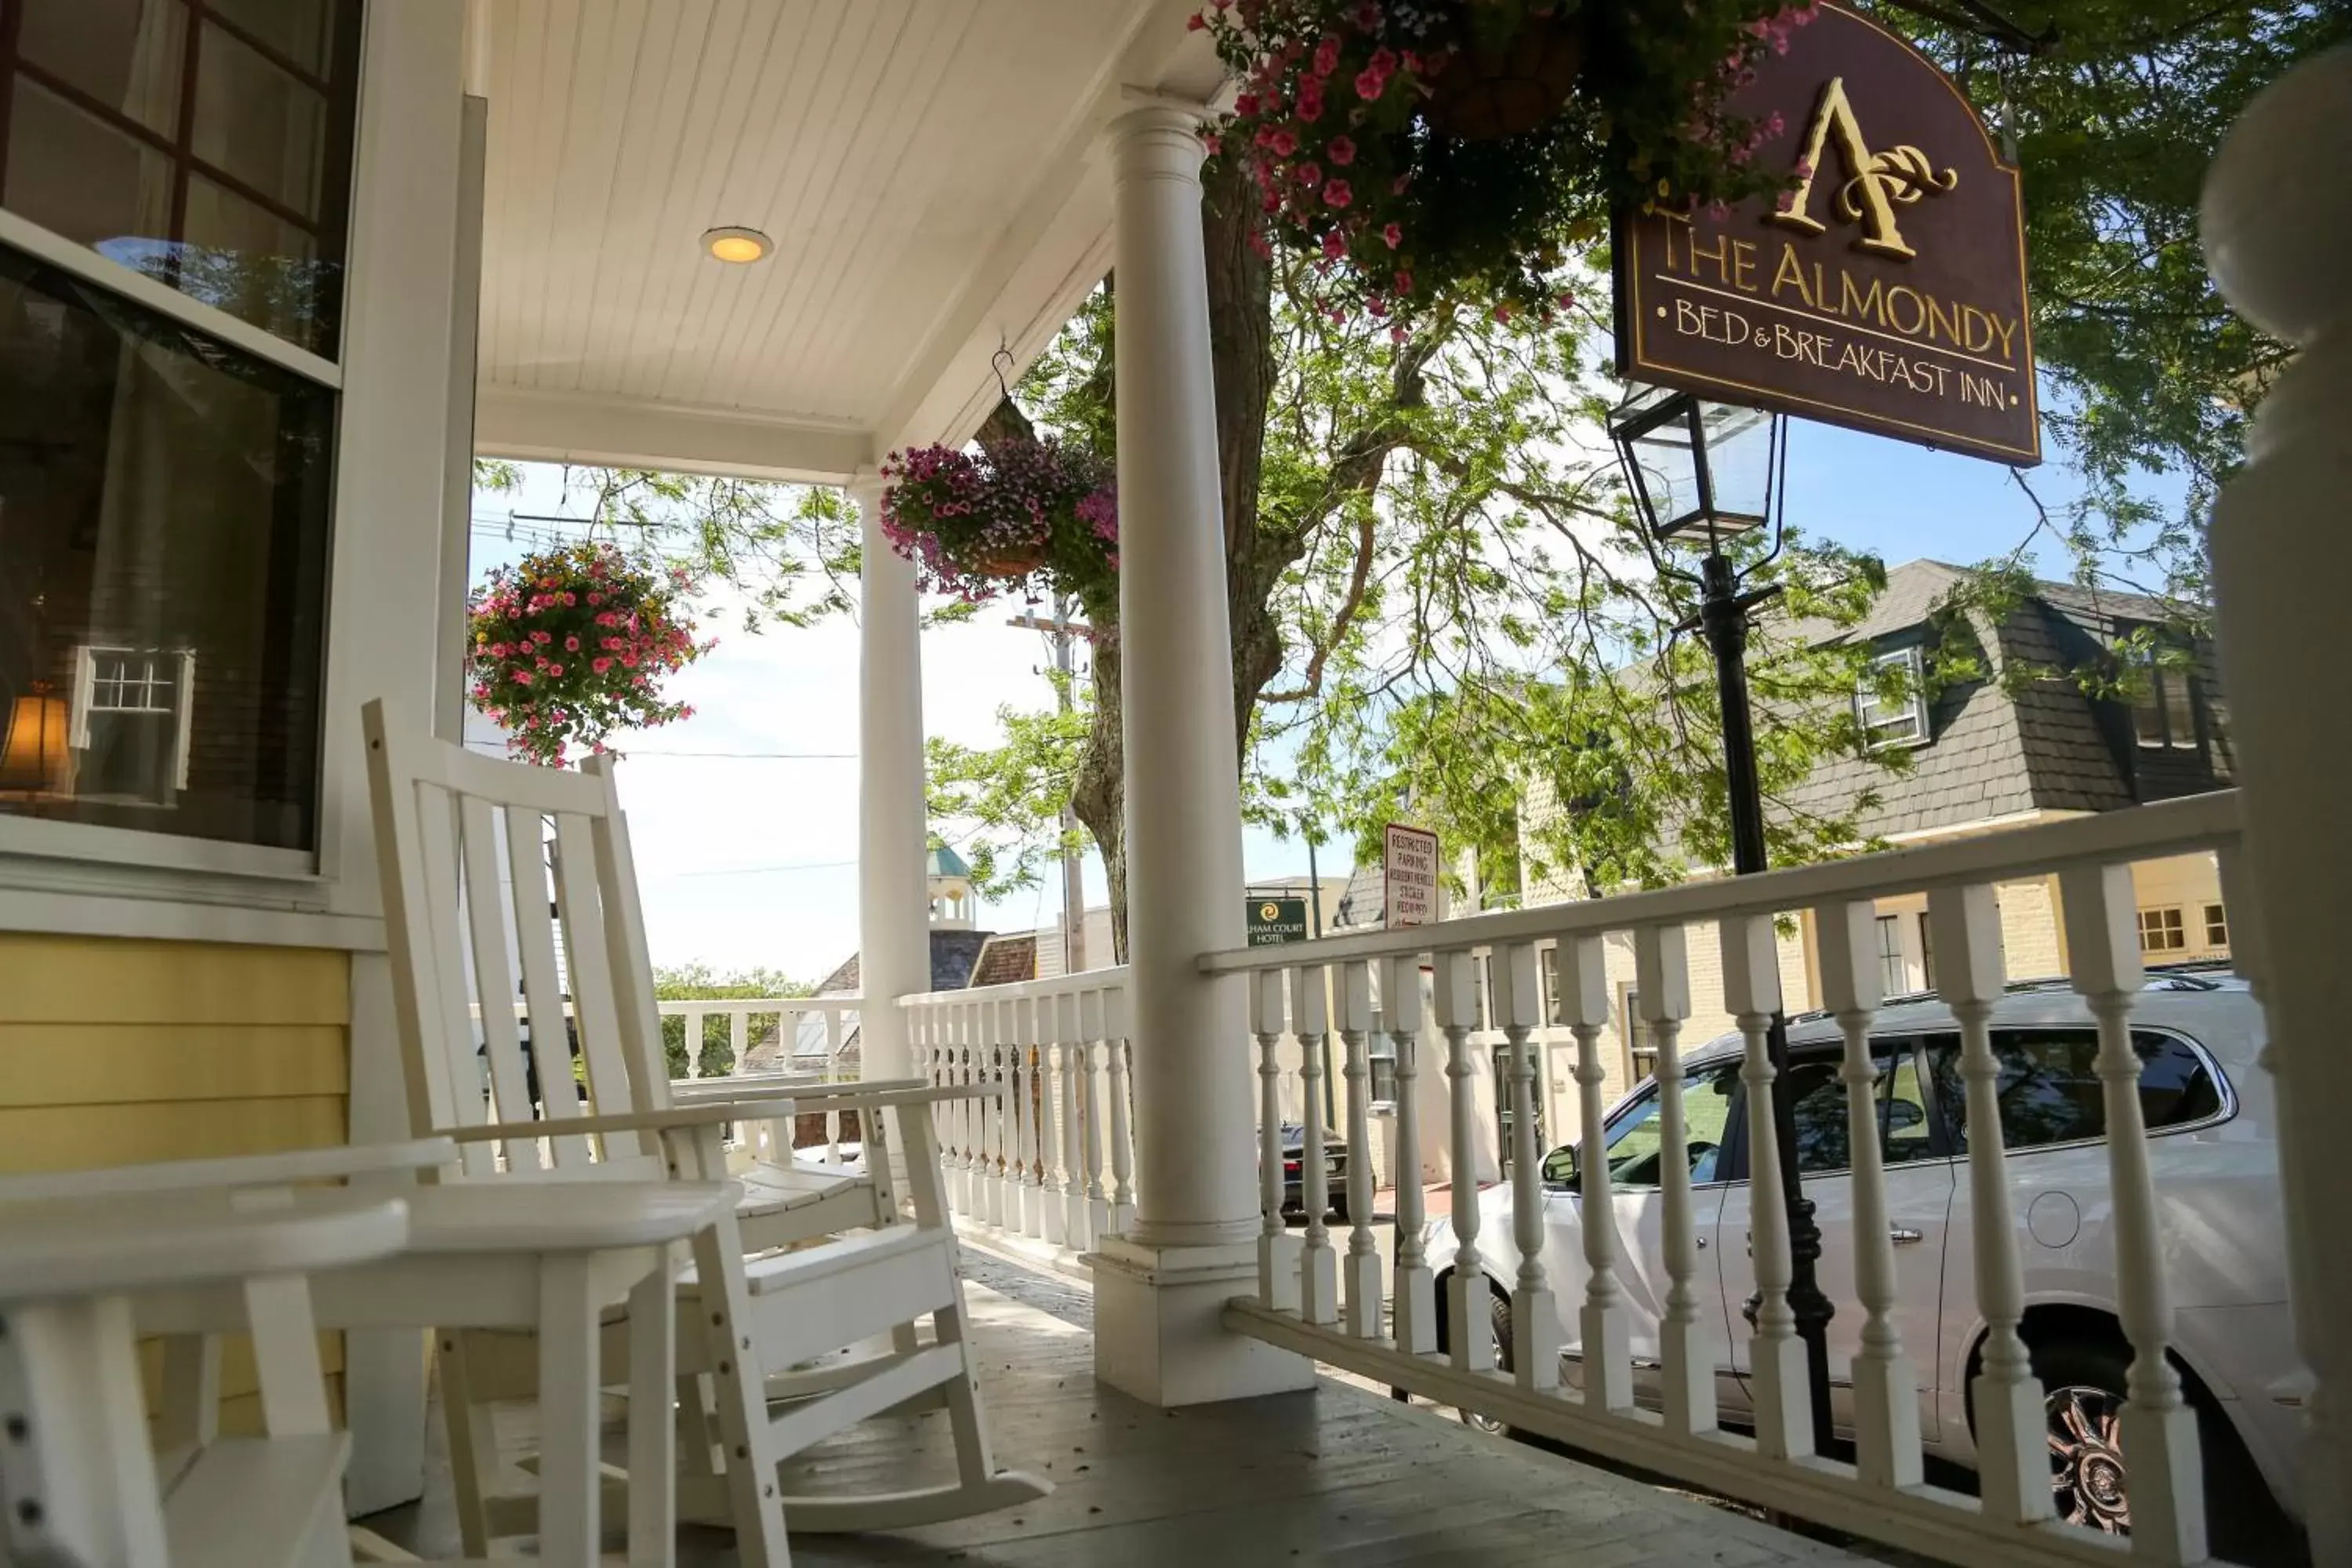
(1393, 233)
(1337, 194)
(1340, 151)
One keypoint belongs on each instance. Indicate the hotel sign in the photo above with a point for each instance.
(1885, 292)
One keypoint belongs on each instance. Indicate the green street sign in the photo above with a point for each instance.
(1274, 922)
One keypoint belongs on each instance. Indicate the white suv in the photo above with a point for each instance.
(2212, 1149)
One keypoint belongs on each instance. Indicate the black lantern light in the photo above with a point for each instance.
(1709, 472)
(1696, 468)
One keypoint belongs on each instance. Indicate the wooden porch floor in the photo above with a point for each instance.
(1337, 1475)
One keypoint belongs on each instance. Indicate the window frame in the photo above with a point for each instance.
(1876, 732)
(2160, 679)
(339, 103)
(2177, 927)
(2217, 920)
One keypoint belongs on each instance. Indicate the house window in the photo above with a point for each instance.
(1892, 701)
(164, 509)
(1926, 953)
(2164, 703)
(2217, 926)
(1640, 1053)
(133, 711)
(2160, 931)
(1894, 974)
(204, 142)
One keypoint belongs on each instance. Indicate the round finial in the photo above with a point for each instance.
(2275, 226)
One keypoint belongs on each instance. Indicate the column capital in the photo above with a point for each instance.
(864, 488)
(1156, 135)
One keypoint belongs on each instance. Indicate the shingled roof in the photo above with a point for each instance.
(2045, 746)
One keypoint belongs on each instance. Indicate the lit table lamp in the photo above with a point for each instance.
(33, 754)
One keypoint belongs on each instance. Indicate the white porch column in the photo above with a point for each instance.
(894, 940)
(2276, 249)
(1161, 1290)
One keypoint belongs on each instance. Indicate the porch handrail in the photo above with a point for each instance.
(1325, 1292)
(2187, 825)
(1032, 1163)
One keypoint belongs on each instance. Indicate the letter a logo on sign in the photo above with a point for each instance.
(1875, 184)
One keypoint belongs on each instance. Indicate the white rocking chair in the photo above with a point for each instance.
(474, 853)
(477, 1256)
(78, 1483)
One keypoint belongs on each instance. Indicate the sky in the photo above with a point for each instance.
(745, 817)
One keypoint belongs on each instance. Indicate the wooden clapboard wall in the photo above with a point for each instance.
(119, 1052)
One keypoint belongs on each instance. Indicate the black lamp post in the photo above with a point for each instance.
(1702, 471)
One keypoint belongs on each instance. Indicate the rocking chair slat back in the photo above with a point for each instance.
(473, 853)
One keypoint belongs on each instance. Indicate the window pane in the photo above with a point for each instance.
(2217, 926)
(302, 30)
(126, 54)
(107, 168)
(1903, 1113)
(2049, 1091)
(1636, 1140)
(1822, 1143)
(94, 183)
(258, 123)
(164, 515)
(2179, 707)
(257, 267)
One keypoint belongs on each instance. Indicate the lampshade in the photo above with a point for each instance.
(35, 750)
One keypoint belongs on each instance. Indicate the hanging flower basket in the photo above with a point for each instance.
(1501, 88)
(569, 646)
(1015, 512)
(1429, 151)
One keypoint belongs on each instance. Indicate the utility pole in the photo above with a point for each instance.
(1074, 887)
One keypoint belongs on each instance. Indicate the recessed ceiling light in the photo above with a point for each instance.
(736, 245)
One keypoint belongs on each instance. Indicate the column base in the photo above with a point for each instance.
(1159, 1333)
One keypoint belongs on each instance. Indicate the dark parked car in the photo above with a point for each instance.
(1294, 1155)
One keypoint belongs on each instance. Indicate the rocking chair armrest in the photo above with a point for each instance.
(677, 1118)
(697, 1090)
(883, 1093)
(239, 1172)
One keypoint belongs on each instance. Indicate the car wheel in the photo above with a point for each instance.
(2083, 1402)
(2083, 1396)
(1498, 1325)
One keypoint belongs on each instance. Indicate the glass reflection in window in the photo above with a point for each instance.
(164, 526)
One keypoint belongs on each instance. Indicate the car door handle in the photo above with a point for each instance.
(1903, 1234)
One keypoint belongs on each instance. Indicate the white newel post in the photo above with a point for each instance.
(1160, 1288)
(894, 937)
(2277, 249)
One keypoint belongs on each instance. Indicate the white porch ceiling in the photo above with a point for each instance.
(926, 168)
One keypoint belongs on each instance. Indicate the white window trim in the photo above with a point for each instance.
(23, 234)
(1915, 662)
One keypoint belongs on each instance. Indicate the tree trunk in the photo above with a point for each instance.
(1241, 357)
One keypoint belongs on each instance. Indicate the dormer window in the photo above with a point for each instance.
(2164, 703)
(1892, 701)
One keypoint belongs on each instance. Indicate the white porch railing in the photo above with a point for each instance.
(1052, 1160)
(1323, 1298)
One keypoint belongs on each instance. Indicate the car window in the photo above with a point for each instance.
(2049, 1086)
(1905, 1135)
(1823, 1142)
(1636, 1140)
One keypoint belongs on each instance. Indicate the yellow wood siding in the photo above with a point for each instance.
(121, 1052)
